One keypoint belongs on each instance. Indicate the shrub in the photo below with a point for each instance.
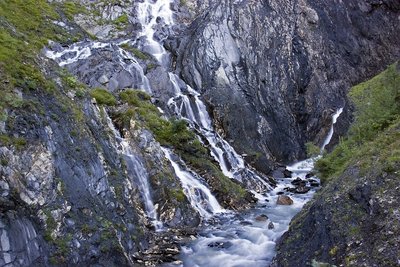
(103, 97)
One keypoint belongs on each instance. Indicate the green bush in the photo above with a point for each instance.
(103, 97)
(312, 150)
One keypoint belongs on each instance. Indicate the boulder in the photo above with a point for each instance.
(262, 218)
(284, 200)
(302, 189)
(287, 173)
(271, 226)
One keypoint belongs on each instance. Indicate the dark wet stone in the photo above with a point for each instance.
(271, 225)
(313, 182)
(287, 173)
(302, 189)
(262, 218)
(220, 245)
(309, 175)
(296, 181)
(246, 223)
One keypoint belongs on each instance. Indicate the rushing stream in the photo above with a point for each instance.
(226, 238)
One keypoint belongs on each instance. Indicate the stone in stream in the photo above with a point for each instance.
(313, 182)
(309, 175)
(302, 189)
(262, 218)
(287, 173)
(271, 225)
(297, 181)
(220, 245)
(284, 200)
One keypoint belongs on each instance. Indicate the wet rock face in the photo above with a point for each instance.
(273, 73)
(19, 244)
(353, 221)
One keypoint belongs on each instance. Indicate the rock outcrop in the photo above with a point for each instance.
(271, 72)
(274, 72)
(354, 219)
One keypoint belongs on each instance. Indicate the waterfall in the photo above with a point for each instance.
(75, 52)
(149, 13)
(328, 138)
(198, 194)
(190, 107)
(137, 172)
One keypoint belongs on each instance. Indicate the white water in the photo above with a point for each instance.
(149, 12)
(190, 107)
(248, 242)
(199, 195)
(75, 52)
(330, 134)
(137, 173)
(244, 241)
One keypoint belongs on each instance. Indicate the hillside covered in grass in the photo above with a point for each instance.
(355, 219)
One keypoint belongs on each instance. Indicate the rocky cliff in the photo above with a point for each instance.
(273, 72)
(354, 220)
(85, 176)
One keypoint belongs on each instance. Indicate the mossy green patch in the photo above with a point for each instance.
(26, 26)
(373, 137)
(136, 52)
(72, 8)
(121, 22)
(103, 97)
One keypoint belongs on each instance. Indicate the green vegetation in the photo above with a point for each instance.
(121, 22)
(176, 134)
(17, 142)
(71, 8)
(136, 52)
(26, 26)
(103, 97)
(177, 194)
(312, 150)
(374, 137)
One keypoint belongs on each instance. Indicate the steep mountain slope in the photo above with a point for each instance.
(354, 220)
(109, 158)
(273, 72)
(71, 188)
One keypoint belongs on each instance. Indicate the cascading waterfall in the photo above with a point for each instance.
(136, 172)
(199, 195)
(83, 50)
(75, 52)
(191, 106)
(327, 140)
(149, 13)
(234, 239)
(195, 111)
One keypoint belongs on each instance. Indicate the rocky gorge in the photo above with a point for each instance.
(156, 133)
